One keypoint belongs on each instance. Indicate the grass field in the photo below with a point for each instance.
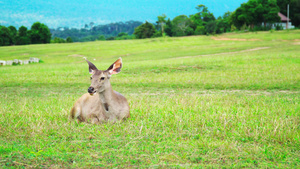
(230, 101)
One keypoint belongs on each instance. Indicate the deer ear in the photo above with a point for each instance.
(92, 67)
(115, 67)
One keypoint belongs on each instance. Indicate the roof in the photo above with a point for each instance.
(282, 17)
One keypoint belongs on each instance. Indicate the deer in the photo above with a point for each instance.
(101, 103)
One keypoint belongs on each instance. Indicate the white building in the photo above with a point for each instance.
(285, 22)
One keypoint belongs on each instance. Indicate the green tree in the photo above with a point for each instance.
(211, 27)
(162, 22)
(169, 27)
(200, 19)
(268, 11)
(181, 25)
(13, 34)
(69, 40)
(5, 36)
(58, 40)
(248, 13)
(39, 33)
(200, 30)
(101, 37)
(145, 30)
(223, 23)
(234, 20)
(255, 12)
(22, 36)
(123, 36)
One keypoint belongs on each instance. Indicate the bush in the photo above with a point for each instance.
(69, 40)
(110, 38)
(58, 40)
(233, 28)
(101, 37)
(200, 30)
(157, 34)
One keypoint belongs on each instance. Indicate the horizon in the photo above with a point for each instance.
(75, 14)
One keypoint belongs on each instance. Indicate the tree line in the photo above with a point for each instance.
(90, 32)
(38, 34)
(253, 15)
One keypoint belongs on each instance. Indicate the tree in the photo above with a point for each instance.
(268, 11)
(200, 30)
(162, 22)
(5, 36)
(181, 24)
(211, 27)
(101, 37)
(255, 12)
(169, 27)
(145, 30)
(247, 14)
(13, 34)
(205, 14)
(223, 23)
(58, 40)
(250, 13)
(200, 19)
(234, 20)
(69, 40)
(39, 33)
(22, 37)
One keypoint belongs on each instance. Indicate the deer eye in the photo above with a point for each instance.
(102, 78)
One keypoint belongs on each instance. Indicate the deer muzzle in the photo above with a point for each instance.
(91, 90)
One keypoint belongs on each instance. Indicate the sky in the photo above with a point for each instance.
(77, 13)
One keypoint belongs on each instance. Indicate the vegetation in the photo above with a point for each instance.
(294, 6)
(255, 12)
(249, 16)
(92, 33)
(38, 34)
(201, 101)
(145, 30)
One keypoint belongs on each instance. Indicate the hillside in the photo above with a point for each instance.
(92, 33)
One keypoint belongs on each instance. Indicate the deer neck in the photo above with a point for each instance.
(106, 98)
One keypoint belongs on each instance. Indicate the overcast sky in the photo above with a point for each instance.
(75, 13)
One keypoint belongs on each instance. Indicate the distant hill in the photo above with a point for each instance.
(91, 32)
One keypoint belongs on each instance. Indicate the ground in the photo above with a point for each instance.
(198, 101)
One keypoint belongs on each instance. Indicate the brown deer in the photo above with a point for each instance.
(101, 103)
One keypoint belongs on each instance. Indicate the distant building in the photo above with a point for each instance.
(285, 22)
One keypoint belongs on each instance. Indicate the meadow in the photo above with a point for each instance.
(229, 101)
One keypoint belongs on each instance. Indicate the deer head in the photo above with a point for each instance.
(100, 78)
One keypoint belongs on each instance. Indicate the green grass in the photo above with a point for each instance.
(195, 102)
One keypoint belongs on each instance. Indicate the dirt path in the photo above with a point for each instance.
(224, 53)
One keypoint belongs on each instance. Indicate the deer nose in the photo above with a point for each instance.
(90, 89)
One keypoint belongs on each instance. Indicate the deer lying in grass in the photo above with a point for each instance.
(101, 103)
